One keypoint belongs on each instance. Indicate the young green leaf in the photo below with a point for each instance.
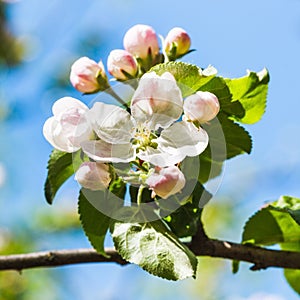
(61, 166)
(290, 205)
(251, 91)
(153, 247)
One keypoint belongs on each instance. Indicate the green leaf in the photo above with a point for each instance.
(189, 77)
(290, 205)
(95, 224)
(227, 139)
(292, 276)
(273, 225)
(293, 279)
(185, 220)
(96, 208)
(251, 91)
(153, 247)
(262, 229)
(118, 188)
(238, 140)
(61, 166)
(209, 167)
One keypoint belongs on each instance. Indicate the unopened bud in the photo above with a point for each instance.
(87, 76)
(93, 176)
(168, 181)
(201, 107)
(141, 41)
(122, 65)
(177, 43)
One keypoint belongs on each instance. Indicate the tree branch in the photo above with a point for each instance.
(260, 257)
(57, 258)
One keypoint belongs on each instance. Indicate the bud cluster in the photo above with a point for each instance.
(141, 52)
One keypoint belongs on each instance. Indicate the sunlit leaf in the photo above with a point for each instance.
(251, 91)
(290, 205)
(153, 247)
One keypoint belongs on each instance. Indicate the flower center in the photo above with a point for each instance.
(143, 138)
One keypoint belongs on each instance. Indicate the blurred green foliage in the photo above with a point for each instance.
(11, 47)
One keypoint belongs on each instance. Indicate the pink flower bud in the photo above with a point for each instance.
(140, 40)
(119, 63)
(168, 181)
(93, 176)
(201, 107)
(177, 42)
(87, 76)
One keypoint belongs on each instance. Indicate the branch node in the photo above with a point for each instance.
(258, 267)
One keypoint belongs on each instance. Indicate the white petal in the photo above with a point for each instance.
(65, 103)
(105, 152)
(159, 158)
(53, 133)
(111, 123)
(183, 139)
(157, 100)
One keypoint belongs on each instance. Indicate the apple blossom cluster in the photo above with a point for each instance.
(153, 134)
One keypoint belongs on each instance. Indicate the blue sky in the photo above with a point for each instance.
(231, 35)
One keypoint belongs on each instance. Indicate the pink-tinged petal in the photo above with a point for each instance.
(86, 75)
(52, 131)
(179, 38)
(120, 61)
(111, 123)
(94, 176)
(157, 101)
(102, 151)
(63, 104)
(166, 182)
(69, 125)
(201, 107)
(139, 39)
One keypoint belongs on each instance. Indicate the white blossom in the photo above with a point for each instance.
(152, 132)
(69, 126)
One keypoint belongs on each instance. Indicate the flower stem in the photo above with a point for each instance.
(117, 97)
(139, 195)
